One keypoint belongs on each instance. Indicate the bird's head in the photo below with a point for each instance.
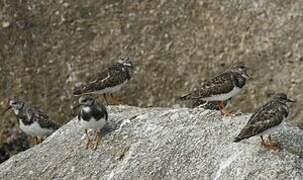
(282, 97)
(15, 104)
(86, 100)
(242, 70)
(126, 62)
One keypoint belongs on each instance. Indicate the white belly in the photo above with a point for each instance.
(35, 129)
(111, 89)
(269, 131)
(223, 97)
(93, 124)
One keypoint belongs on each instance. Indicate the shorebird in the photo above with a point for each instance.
(32, 121)
(92, 115)
(221, 88)
(266, 120)
(108, 81)
(212, 105)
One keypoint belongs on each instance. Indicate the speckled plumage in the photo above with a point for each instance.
(34, 114)
(95, 111)
(266, 117)
(212, 105)
(92, 115)
(32, 121)
(108, 81)
(219, 87)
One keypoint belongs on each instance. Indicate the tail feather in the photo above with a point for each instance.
(184, 97)
(238, 139)
(246, 132)
(242, 136)
(56, 126)
(78, 90)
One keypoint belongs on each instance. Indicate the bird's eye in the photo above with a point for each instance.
(86, 100)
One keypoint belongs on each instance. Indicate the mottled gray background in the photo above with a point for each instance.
(48, 46)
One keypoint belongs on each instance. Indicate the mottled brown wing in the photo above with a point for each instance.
(36, 115)
(212, 105)
(221, 84)
(108, 78)
(37, 112)
(44, 123)
(266, 117)
(114, 77)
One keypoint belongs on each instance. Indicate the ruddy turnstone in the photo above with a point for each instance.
(220, 88)
(266, 119)
(212, 105)
(92, 115)
(108, 81)
(32, 121)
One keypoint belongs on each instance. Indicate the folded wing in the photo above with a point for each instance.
(265, 118)
(106, 79)
(218, 85)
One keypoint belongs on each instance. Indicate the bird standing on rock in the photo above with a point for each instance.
(220, 88)
(32, 121)
(266, 119)
(92, 115)
(109, 81)
(212, 105)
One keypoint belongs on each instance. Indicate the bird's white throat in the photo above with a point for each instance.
(86, 109)
(16, 111)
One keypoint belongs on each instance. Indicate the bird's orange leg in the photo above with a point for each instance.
(114, 100)
(36, 140)
(263, 143)
(104, 96)
(88, 139)
(221, 108)
(269, 144)
(96, 141)
(39, 140)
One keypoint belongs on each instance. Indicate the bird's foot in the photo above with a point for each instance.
(105, 99)
(96, 142)
(88, 142)
(37, 140)
(94, 145)
(114, 101)
(223, 111)
(271, 145)
(226, 113)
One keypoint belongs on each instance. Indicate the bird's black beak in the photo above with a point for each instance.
(249, 72)
(8, 108)
(246, 75)
(291, 100)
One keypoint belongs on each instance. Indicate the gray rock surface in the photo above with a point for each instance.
(161, 143)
